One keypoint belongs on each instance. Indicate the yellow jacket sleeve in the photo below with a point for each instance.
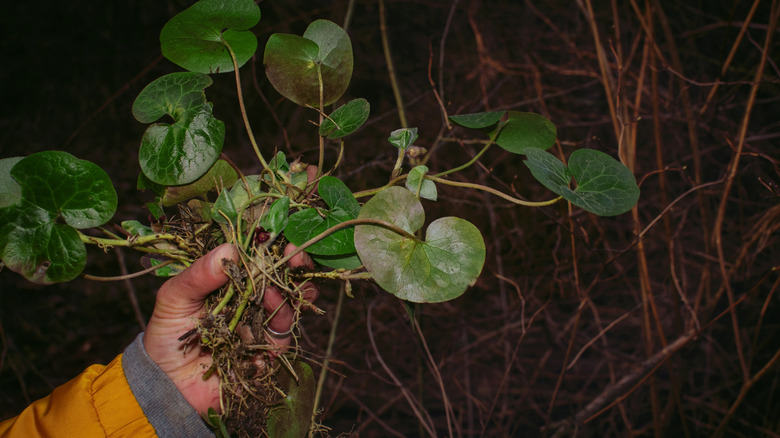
(97, 403)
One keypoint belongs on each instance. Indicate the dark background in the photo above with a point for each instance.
(555, 278)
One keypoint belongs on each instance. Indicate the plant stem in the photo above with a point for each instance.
(390, 67)
(328, 352)
(473, 160)
(346, 224)
(241, 105)
(128, 276)
(321, 160)
(495, 192)
(245, 295)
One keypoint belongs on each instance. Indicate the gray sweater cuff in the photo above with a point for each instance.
(162, 403)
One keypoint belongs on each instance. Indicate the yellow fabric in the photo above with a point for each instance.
(97, 403)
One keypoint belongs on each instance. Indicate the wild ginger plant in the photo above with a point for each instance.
(49, 200)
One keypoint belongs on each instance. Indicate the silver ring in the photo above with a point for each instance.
(277, 335)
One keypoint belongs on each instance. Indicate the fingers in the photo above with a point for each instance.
(274, 302)
(187, 290)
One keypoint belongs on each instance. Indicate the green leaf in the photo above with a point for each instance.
(180, 153)
(604, 185)
(294, 63)
(440, 268)
(76, 190)
(279, 163)
(478, 120)
(306, 224)
(144, 183)
(238, 193)
(224, 204)
(215, 422)
(417, 184)
(54, 187)
(346, 119)
(173, 94)
(220, 175)
(291, 417)
(403, 138)
(277, 216)
(10, 190)
(136, 228)
(34, 245)
(526, 130)
(344, 261)
(197, 38)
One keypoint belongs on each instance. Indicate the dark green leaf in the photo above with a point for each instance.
(478, 120)
(144, 183)
(10, 190)
(526, 130)
(181, 153)
(196, 38)
(604, 186)
(173, 94)
(76, 190)
(345, 261)
(34, 245)
(440, 268)
(291, 417)
(224, 204)
(548, 170)
(403, 138)
(346, 120)
(419, 185)
(294, 64)
(276, 218)
(306, 224)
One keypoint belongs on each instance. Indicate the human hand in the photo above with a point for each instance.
(181, 302)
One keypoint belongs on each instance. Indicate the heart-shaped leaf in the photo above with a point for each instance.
(34, 245)
(54, 187)
(440, 268)
(346, 119)
(197, 38)
(291, 418)
(526, 130)
(180, 153)
(173, 94)
(403, 138)
(419, 185)
(604, 185)
(275, 220)
(76, 190)
(306, 224)
(478, 120)
(10, 190)
(294, 64)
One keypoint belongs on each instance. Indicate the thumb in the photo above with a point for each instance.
(194, 284)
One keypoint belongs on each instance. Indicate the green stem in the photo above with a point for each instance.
(136, 242)
(472, 161)
(345, 224)
(390, 67)
(241, 105)
(241, 306)
(328, 353)
(494, 192)
(223, 302)
(321, 160)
